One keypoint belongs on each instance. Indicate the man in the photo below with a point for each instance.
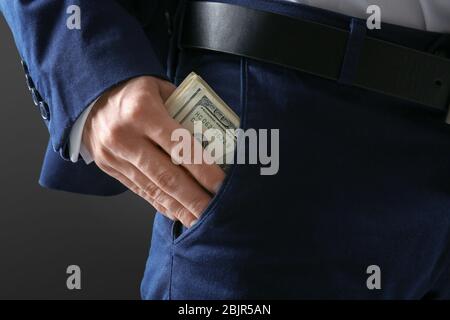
(364, 149)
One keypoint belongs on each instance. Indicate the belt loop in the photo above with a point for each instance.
(353, 51)
(174, 41)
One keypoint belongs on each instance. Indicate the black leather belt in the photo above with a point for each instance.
(318, 49)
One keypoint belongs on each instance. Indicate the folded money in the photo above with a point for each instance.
(196, 106)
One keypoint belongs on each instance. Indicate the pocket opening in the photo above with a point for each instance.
(178, 232)
(177, 229)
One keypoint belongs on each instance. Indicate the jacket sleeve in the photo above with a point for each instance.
(70, 68)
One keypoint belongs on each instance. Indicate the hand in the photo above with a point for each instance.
(128, 135)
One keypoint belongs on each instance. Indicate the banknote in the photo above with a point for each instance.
(194, 103)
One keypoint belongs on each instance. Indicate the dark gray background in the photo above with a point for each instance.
(44, 231)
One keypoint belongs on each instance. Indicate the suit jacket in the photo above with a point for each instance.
(68, 69)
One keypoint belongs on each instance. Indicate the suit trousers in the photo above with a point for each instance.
(364, 180)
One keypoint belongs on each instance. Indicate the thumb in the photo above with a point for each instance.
(166, 89)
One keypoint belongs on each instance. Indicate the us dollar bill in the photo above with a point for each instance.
(194, 103)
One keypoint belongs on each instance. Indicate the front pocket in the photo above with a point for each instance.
(179, 235)
(227, 76)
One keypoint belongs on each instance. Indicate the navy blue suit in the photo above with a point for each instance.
(364, 178)
(69, 69)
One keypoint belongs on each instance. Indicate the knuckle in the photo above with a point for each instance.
(142, 160)
(166, 180)
(135, 110)
(180, 213)
(112, 135)
(160, 208)
(152, 190)
(134, 177)
(160, 197)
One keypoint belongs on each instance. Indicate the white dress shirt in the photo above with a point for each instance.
(430, 15)
(76, 147)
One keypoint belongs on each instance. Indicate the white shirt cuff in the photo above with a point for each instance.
(76, 146)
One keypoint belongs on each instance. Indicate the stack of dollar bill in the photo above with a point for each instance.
(194, 104)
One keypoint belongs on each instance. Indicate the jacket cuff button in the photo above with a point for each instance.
(30, 83)
(45, 113)
(24, 66)
(36, 97)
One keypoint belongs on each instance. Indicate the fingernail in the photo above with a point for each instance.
(193, 223)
